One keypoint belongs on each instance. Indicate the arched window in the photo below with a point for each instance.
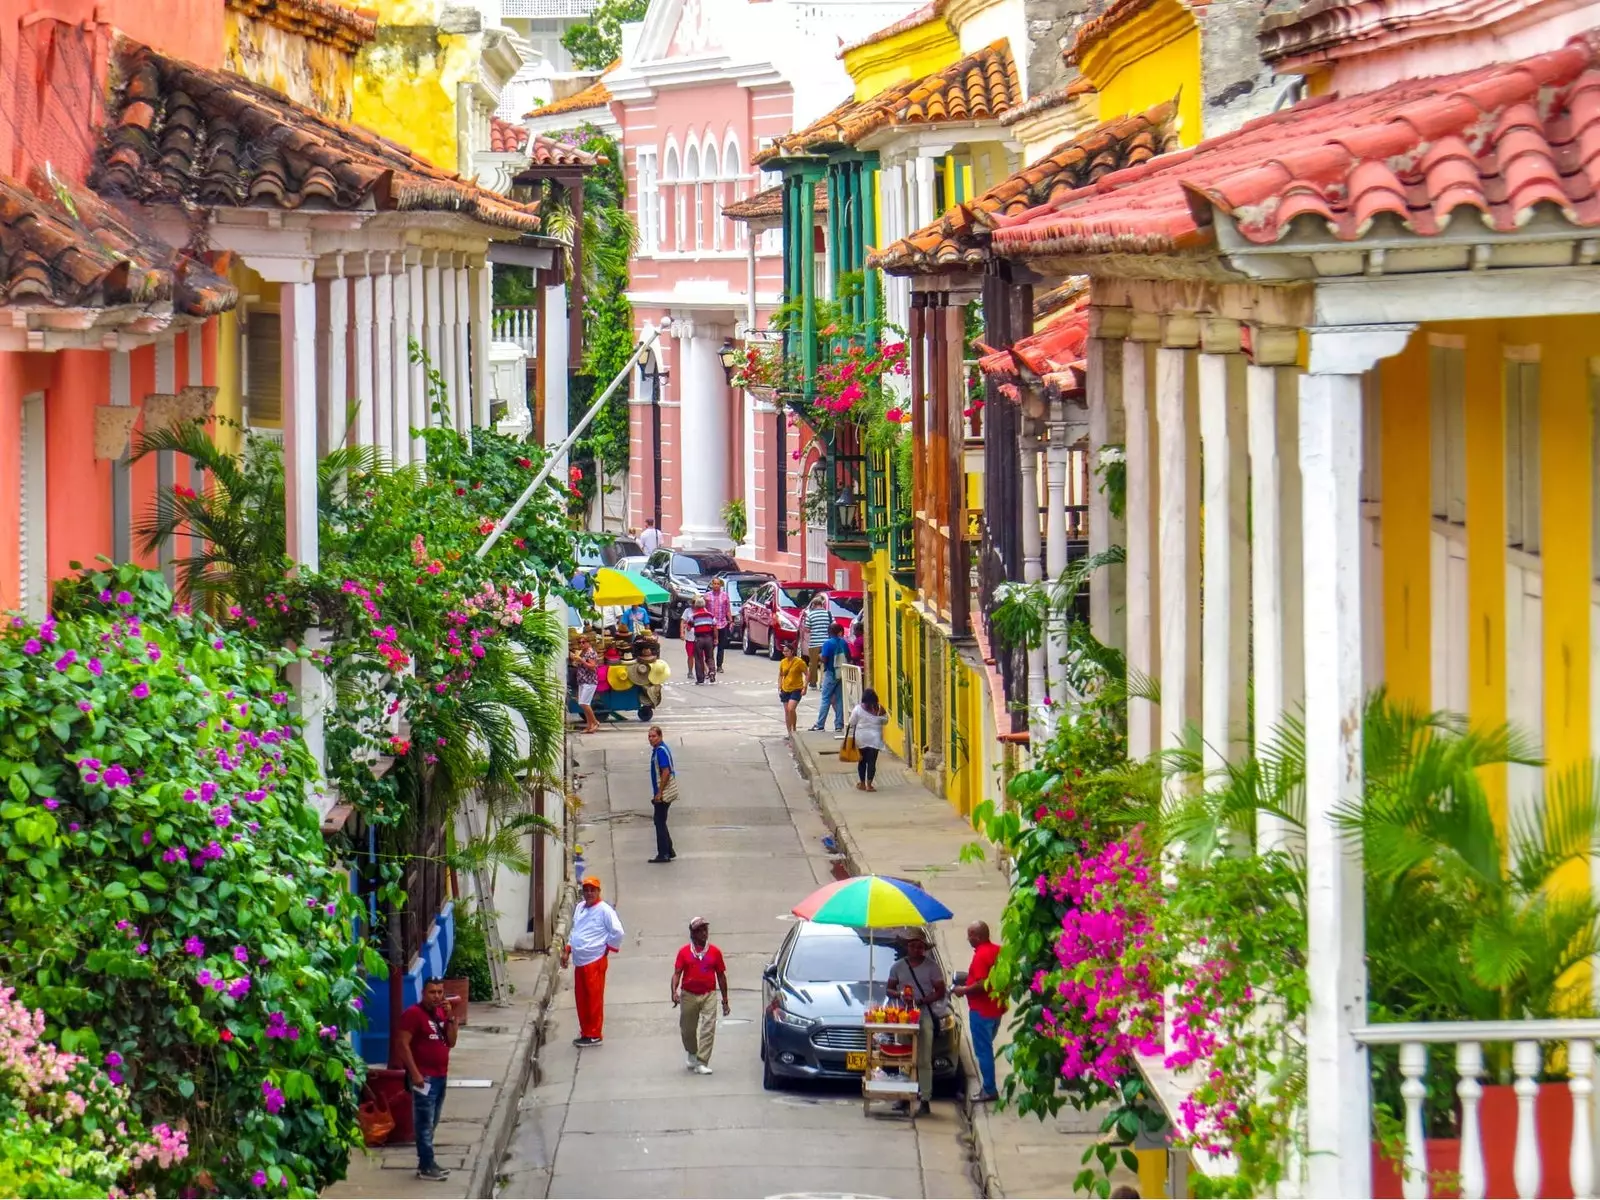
(691, 181)
(671, 193)
(708, 170)
(732, 169)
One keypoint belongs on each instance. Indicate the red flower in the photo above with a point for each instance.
(576, 474)
(400, 746)
(486, 526)
(519, 543)
(524, 463)
(186, 492)
(461, 491)
(226, 1035)
(477, 485)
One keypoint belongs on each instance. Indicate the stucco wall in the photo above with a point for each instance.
(308, 71)
(405, 87)
(1052, 24)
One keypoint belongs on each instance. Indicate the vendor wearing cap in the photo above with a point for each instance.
(697, 975)
(596, 935)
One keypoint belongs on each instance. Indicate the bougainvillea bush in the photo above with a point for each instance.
(168, 900)
(65, 1128)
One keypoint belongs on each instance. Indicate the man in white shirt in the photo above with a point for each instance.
(596, 935)
(650, 537)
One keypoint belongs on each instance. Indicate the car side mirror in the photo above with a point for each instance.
(769, 973)
(959, 979)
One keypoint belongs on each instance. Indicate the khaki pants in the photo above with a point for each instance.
(813, 665)
(928, 1029)
(697, 1023)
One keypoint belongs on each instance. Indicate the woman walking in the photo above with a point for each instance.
(586, 662)
(791, 684)
(868, 719)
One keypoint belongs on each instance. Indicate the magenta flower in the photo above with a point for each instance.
(124, 598)
(195, 946)
(140, 690)
(52, 803)
(142, 948)
(221, 816)
(152, 651)
(95, 668)
(66, 660)
(116, 776)
(272, 1096)
(31, 646)
(240, 954)
(113, 1059)
(259, 1179)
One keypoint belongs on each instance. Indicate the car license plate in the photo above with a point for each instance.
(855, 1060)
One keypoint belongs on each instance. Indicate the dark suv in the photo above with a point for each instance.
(685, 574)
(813, 996)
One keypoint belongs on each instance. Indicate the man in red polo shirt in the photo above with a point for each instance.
(426, 1034)
(697, 975)
(984, 1008)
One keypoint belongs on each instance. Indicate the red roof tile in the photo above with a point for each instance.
(506, 138)
(767, 204)
(63, 248)
(177, 133)
(1114, 15)
(341, 25)
(983, 86)
(1500, 140)
(1054, 355)
(553, 152)
(960, 237)
(596, 95)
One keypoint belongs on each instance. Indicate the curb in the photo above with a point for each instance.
(502, 1120)
(983, 1154)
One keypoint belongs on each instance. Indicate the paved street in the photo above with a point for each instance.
(626, 1119)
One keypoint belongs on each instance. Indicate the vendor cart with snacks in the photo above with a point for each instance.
(890, 1076)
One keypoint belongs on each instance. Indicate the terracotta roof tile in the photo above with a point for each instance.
(1499, 140)
(596, 95)
(178, 133)
(506, 138)
(1060, 97)
(925, 15)
(1114, 15)
(960, 237)
(769, 203)
(553, 152)
(342, 25)
(63, 248)
(983, 86)
(1053, 355)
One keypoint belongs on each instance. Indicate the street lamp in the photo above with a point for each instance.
(729, 357)
(651, 373)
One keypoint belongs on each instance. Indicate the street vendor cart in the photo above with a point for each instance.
(891, 1071)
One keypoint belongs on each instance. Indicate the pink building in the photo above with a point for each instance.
(701, 87)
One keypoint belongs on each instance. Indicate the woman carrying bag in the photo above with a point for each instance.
(865, 737)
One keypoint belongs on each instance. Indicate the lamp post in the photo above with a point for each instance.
(651, 373)
(728, 356)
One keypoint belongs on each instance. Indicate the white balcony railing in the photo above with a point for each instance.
(518, 324)
(1566, 1108)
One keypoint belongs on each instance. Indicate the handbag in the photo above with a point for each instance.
(850, 752)
(376, 1122)
(670, 792)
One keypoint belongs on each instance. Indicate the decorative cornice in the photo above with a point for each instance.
(342, 26)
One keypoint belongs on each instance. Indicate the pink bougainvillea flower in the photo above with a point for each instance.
(140, 690)
(194, 946)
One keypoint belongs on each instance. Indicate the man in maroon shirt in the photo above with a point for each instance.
(427, 1032)
(697, 975)
(984, 1009)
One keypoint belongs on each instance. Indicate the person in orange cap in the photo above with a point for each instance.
(595, 936)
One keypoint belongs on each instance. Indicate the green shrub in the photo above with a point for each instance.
(470, 960)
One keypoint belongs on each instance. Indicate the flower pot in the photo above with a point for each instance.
(456, 990)
(390, 1089)
(1444, 1154)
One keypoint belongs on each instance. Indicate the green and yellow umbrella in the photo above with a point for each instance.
(613, 588)
(871, 902)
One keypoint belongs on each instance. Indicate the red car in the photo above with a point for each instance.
(773, 613)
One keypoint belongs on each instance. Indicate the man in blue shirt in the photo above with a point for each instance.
(834, 651)
(664, 789)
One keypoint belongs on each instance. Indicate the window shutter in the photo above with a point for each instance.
(264, 364)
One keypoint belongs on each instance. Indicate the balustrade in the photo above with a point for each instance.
(518, 323)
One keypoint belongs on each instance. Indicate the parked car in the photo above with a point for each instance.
(845, 606)
(685, 574)
(813, 995)
(611, 554)
(773, 615)
(741, 586)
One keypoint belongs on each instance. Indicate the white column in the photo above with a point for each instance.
(481, 313)
(702, 435)
(338, 361)
(1032, 562)
(1225, 615)
(553, 344)
(1177, 521)
(417, 333)
(446, 362)
(432, 327)
(1055, 548)
(399, 330)
(298, 328)
(748, 402)
(364, 374)
(1338, 1112)
(466, 401)
(1142, 578)
(383, 357)
(1101, 393)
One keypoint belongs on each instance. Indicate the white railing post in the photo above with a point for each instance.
(1474, 1176)
(1413, 1066)
(1525, 1171)
(1580, 1065)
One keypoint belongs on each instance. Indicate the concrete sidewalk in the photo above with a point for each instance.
(498, 1046)
(903, 829)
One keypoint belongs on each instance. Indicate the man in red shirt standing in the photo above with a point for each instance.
(984, 1009)
(704, 624)
(427, 1032)
(697, 975)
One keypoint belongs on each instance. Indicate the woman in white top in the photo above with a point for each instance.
(867, 719)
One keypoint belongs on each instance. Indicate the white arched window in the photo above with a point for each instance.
(691, 181)
(649, 193)
(708, 170)
(732, 169)
(671, 193)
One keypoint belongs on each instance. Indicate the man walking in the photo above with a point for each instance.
(819, 624)
(595, 936)
(427, 1032)
(650, 538)
(721, 606)
(984, 1008)
(663, 791)
(834, 651)
(697, 975)
(920, 975)
(704, 626)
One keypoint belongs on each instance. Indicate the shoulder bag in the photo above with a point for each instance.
(850, 752)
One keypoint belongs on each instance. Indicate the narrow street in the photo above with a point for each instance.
(626, 1119)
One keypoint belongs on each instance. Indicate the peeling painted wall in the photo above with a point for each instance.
(405, 87)
(306, 70)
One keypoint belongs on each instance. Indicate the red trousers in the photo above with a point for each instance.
(590, 985)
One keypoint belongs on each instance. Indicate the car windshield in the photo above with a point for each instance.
(798, 597)
(625, 548)
(702, 564)
(739, 589)
(850, 604)
(590, 558)
(841, 958)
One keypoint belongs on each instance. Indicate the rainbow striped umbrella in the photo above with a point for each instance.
(871, 902)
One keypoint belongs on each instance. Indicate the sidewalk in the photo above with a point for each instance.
(905, 830)
(497, 1048)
